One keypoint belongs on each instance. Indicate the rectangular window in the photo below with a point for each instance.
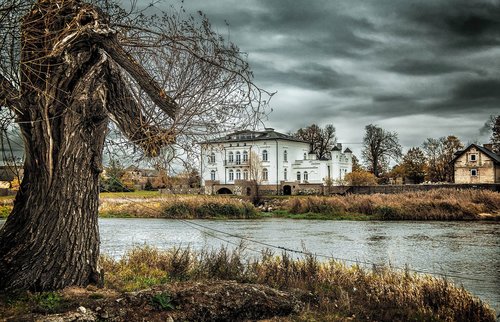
(473, 172)
(473, 157)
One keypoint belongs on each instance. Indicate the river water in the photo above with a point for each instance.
(466, 252)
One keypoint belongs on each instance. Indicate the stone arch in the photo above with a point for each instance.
(224, 191)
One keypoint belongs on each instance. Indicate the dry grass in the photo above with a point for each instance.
(440, 204)
(331, 290)
(187, 207)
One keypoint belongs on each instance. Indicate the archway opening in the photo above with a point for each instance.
(224, 191)
(287, 190)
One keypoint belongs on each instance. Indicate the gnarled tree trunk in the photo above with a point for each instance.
(70, 84)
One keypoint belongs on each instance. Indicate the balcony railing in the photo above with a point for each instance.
(235, 162)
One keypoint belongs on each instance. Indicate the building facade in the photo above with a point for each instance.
(276, 162)
(476, 164)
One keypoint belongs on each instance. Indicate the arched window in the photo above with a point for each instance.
(306, 176)
(245, 156)
(265, 175)
(231, 157)
(238, 175)
(212, 175)
(285, 156)
(231, 175)
(238, 157)
(305, 156)
(211, 159)
(264, 155)
(285, 175)
(298, 175)
(245, 174)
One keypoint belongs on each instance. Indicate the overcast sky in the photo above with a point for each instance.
(422, 68)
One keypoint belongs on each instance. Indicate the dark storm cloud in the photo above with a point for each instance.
(459, 24)
(309, 76)
(360, 62)
(479, 89)
(424, 67)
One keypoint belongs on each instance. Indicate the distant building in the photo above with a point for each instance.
(476, 164)
(278, 163)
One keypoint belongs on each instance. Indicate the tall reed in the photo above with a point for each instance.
(440, 204)
(330, 289)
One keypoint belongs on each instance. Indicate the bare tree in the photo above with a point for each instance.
(255, 172)
(321, 139)
(439, 153)
(69, 67)
(495, 133)
(379, 146)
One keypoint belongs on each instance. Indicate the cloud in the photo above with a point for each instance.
(423, 68)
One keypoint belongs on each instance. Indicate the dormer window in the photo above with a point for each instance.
(473, 157)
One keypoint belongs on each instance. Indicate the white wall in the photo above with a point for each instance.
(317, 169)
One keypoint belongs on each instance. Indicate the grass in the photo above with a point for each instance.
(441, 204)
(330, 290)
(186, 207)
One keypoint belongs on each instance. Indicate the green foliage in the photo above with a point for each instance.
(48, 301)
(5, 211)
(162, 301)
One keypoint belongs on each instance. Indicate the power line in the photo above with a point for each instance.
(199, 227)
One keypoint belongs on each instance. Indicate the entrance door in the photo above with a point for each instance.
(287, 190)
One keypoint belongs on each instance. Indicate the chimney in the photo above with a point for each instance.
(339, 145)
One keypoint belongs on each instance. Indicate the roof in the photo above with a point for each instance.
(245, 136)
(495, 157)
(336, 148)
(347, 150)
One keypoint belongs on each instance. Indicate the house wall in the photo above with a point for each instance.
(487, 172)
(298, 160)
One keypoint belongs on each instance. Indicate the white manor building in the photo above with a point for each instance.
(278, 163)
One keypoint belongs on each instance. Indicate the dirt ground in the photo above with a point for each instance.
(187, 301)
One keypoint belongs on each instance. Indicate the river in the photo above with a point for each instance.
(466, 252)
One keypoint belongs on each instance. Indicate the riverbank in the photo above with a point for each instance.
(443, 204)
(180, 284)
(440, 204)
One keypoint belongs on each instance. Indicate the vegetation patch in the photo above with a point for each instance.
(162, 301)
(325, 289)
(439, 204)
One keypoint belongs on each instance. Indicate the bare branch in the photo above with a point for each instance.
(147, 83)
(9, 95)
(127, 114)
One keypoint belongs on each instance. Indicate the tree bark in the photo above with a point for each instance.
(69, 87)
